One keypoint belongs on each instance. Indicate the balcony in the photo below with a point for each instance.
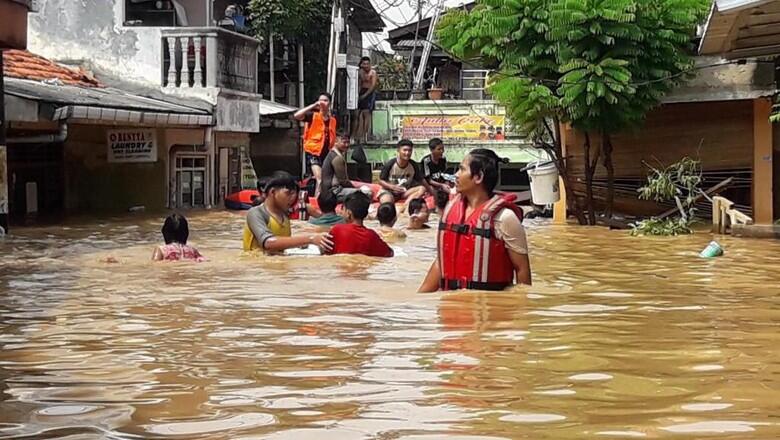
(210, 57)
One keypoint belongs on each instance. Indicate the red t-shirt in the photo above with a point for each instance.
(354, 239)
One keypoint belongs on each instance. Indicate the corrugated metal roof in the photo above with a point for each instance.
(742, 29)
(61, 94)
(268, 108)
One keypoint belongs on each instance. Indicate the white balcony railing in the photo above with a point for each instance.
(209, 57)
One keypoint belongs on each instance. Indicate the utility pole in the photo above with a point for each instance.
(426, 53)
(414, 47)
(3, 156)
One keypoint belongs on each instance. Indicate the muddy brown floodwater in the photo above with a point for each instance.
(620, 337)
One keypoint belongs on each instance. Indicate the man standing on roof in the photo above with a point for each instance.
(319, 134)
(369, 80)
(482, 243)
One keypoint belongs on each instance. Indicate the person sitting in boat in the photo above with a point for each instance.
(482, 243)
(175, 232)
(335, 178)
(401, 177)
(327, 203)
(353, 237)
(387, 216)
(268, 225)
(418, 214)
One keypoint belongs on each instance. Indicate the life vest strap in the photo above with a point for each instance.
(470, 285)
(463, 229)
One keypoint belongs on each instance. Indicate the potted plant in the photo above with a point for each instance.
(434, 91)
(393, 79)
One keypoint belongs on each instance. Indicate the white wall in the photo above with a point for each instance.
(91, 32)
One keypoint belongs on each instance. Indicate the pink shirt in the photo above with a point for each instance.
(176, 252)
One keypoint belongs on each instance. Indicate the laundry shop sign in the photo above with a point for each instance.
(139, 145)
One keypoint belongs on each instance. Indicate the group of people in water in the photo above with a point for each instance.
(481, 240)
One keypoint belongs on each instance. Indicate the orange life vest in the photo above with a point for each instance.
(314, 134)
(470, 254)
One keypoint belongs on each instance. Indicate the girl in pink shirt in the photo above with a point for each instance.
(175, 232)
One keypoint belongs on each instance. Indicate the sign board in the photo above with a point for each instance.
(469, 127)
(136, 145)
(248, 175)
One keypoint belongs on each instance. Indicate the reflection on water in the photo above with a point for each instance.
(620, 337)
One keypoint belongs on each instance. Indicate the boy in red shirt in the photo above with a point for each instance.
(353, 237)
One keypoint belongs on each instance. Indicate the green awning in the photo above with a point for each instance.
(516, 153)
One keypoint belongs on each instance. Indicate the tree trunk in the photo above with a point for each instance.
(607, 148)
(589, 171)
(560, 161)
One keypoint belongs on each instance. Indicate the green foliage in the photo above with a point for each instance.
(662, 227)
(598, 64)
(393, 74)
(680, 182)
(305, 21)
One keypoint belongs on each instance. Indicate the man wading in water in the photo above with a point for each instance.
(482, 243)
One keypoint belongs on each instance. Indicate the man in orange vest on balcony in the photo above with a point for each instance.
(482, 243)
(319, 134)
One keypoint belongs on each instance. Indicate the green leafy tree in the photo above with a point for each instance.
(304, 21)
(598, 65)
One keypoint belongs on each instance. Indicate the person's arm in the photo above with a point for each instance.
(275, 244)
(300, 115)
(432, 279)
(509, 229)
(340, 170)
(522, 267)
(157, 255)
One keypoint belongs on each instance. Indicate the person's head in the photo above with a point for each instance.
(405, 149)
(386, 197)
(418, 207)
(442, 198)
(437, 148)
(281, 190)
(175, 229)
(386, 214)
(324, 100)
(327, 202)
(342, 142)
(365, 64)
(418, 213)
(356, 207)
(478, 171)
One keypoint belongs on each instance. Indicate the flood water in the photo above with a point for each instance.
(620, 337)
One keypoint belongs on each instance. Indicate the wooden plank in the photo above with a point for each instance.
(715, 190)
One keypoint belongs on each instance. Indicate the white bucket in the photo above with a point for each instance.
(544, 184)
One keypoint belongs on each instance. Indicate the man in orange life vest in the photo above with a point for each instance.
(319, 134)
(482, 243)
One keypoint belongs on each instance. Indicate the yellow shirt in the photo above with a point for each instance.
(261, 225)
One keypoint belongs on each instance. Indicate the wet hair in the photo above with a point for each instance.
(442, 198)
(386, 214)
(281, 179)
(330, 97)
(485, 162)
(343, 134)
(405, 143)
(358, 204)
(416, 205)
(327, 202)
(365, 59)
(175, 229)
(435, 142)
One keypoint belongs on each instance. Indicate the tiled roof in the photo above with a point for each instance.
(23, 64)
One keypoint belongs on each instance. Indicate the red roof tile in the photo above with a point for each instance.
(26, 65)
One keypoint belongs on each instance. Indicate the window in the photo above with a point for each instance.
(190, 181)
(472, 84)
(162, 13)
